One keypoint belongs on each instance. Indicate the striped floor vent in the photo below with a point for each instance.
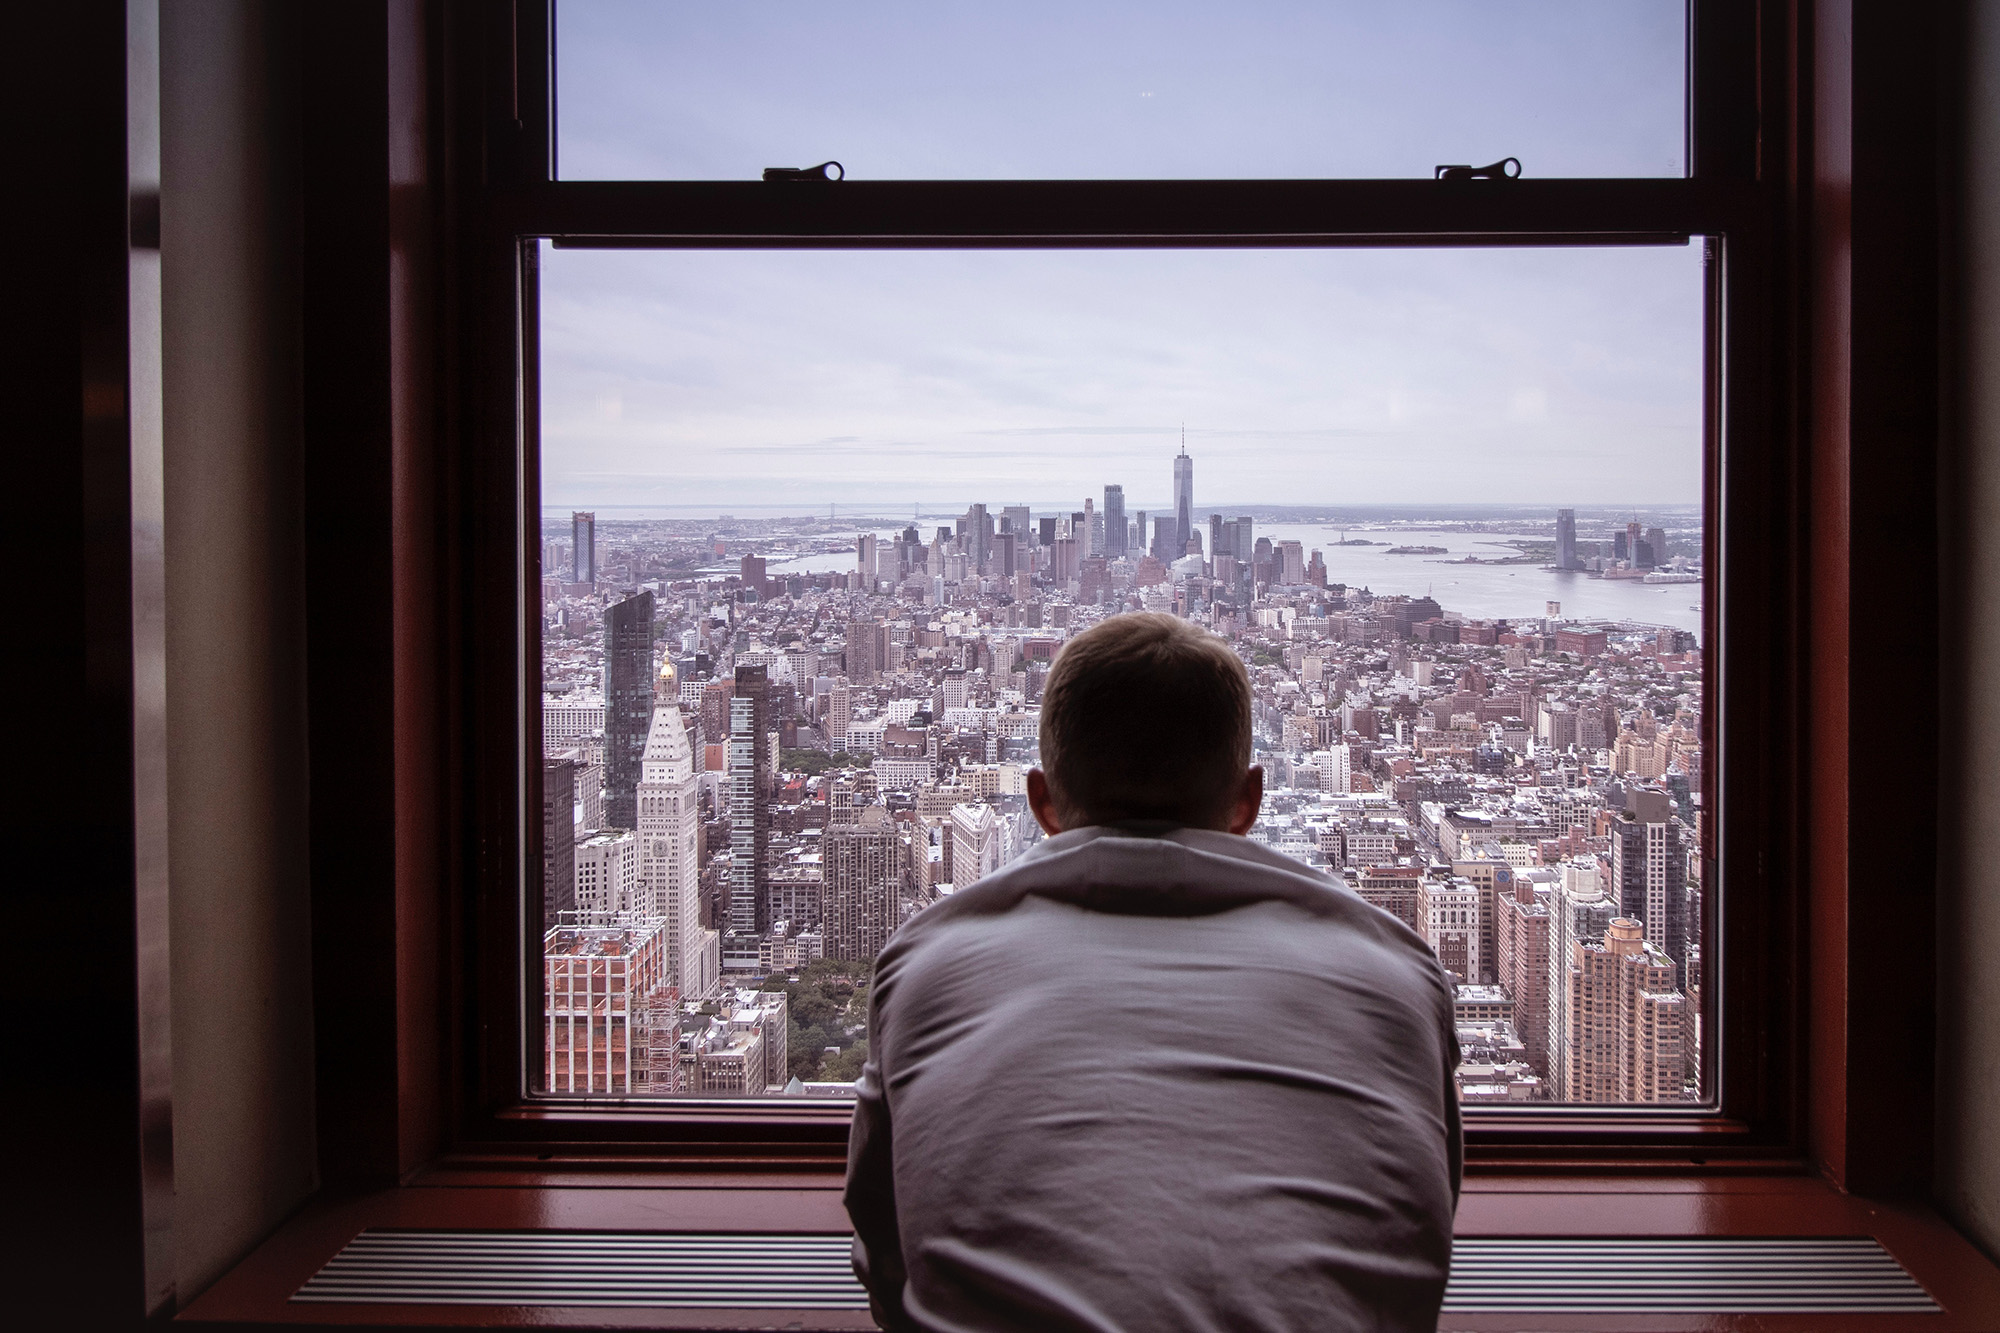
(1729, 1275)
(1681, 1275)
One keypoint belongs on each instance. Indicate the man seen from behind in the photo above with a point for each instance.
(1154, 1076)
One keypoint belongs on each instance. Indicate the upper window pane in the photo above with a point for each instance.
(895, 90)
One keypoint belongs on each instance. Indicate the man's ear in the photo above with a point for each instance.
(1249, 800)
(1042, 804)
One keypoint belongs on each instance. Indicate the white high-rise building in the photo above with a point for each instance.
(839, 709)
(1448, 917)
(669, 800)
(1336, 771)
(607, 872)
(976, 843)
(1580, 911)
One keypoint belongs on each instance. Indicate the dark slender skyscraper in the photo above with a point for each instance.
(1566, 540)
(583, 547)
(1114, 521)
(1183, 499)
(558, 839)
(628, 705)
(978, 534)
(749, 802)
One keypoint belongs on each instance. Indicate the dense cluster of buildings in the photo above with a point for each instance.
(747, 770)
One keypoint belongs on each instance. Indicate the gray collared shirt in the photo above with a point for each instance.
(1155, 1083)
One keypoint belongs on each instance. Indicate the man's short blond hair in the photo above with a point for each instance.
(1146, 716)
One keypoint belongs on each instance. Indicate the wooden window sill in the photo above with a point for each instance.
(1961, 1279)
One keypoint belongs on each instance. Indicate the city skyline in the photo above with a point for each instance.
(833, 744)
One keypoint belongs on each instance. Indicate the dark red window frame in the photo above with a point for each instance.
(484, 83)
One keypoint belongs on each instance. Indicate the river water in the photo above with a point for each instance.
(1486, 592)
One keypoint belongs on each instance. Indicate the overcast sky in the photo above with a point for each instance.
(1302, 376)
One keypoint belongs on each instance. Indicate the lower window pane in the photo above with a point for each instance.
(815, 524)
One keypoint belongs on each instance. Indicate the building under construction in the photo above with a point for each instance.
(612, 1015)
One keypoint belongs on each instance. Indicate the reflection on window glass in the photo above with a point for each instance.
(815, 524)
(896, 89)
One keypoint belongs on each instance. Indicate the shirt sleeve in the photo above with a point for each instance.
(871, 1201)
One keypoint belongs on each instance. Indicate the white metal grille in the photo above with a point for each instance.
(1678, 1275)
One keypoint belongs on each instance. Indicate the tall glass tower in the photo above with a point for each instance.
(1183, 498)
(628, 704)
(1114, 521)
(583, 547)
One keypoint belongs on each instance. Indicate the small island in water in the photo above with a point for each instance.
(1419, 550)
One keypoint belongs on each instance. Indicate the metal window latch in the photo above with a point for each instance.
(825, 171)
(1498, 171)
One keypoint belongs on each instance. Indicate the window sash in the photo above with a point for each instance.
(1743, 656)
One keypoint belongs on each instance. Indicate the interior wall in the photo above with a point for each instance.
(244, 1144)
(1968, 1125)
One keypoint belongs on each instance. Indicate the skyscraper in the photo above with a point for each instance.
(863, 874)
(612, 1023)
(558, 839)
(583, 547)
(1064, 562)
(975, 838)
(669, 831)
(1649, 870)
(1114, 521)
(752, 574)
(865, 650)
(1566, 540)
(1626, 1021)
(1183, 499)
(978, 534)
(628, 703)
(1579, 913)
(749, 803)
(1521, 939)
(1290, 560)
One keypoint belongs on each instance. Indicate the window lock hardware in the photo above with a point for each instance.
(825, 171)
(1498, 171)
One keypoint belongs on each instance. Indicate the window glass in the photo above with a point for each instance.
(815, 523)
(896, 89)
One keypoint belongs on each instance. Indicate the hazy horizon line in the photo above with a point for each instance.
(1065, 507)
